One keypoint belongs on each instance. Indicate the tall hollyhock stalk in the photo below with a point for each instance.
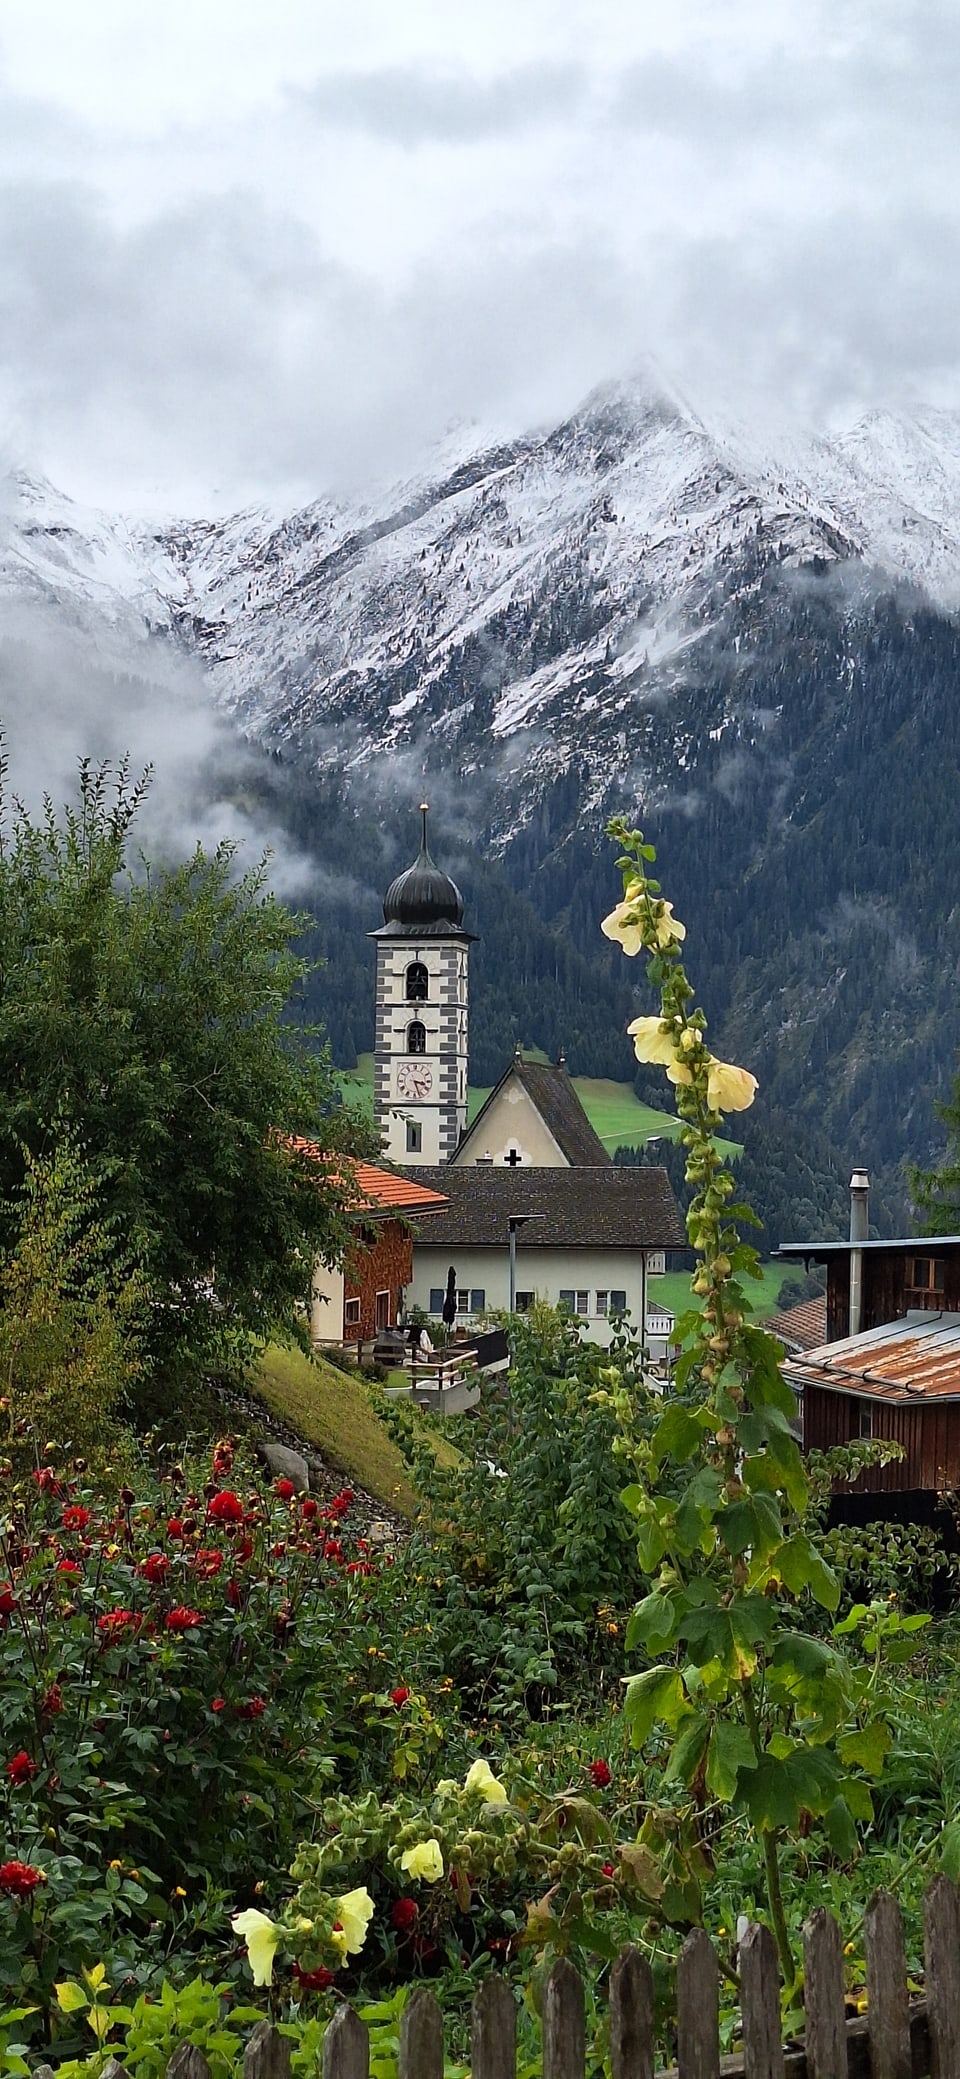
(761, 1716)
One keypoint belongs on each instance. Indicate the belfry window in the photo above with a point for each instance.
(416, 1038)
(418, 982)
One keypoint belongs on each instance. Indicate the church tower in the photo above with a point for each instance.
(420, 1057)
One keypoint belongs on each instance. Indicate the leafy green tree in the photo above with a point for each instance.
(71, 1308)
(149, 1012)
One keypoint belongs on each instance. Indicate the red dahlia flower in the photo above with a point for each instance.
(308, 1507)
(175, 1527)
(399, 1697)
(115, 1621)
(208, 1561)
(404, 1915)
(253, 1708)
(154, 1568)
(75, 1518)
(52, 1703)
(284, 1489)
(314, 1981)
(600, 1774)
(8, 1603)
(21, 1769)
(69, 1566)
(182, 1619)
(226, 1507)
(19, 1879)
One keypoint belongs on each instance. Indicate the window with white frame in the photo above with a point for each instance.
(603, 1303)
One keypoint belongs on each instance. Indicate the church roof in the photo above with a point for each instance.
(589, 1207)
(548, 1085)
(423, 902)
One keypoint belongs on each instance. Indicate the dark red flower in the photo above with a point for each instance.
(155, 1567)
(75, 1518)
(21, 1769)
(244, 1550)
(48, 1483)
(219, 1703)
(284, 1489)
(8, 1603)
(308, 1507)
(608, 1869)
(182, 1619)
(399, 1697)
(226, 1507)
(333, 1550)
(234, 1594)
(19, 1879)
(277, 1551)
(404, 1915)
(359, 1566)
(600, 1774)
(314, 1981)
(208, 1561)
(52, 1703)
(69, 1566)
(113, 1622)
(253, 1708)
(175, 1527)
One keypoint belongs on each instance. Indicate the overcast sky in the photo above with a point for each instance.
(252, 250)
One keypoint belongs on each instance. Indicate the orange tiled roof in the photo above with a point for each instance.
(379, 1190)
(803, 1327)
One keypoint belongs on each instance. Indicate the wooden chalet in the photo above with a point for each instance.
(898, 1375)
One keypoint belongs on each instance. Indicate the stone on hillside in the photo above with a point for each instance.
(285, 1464)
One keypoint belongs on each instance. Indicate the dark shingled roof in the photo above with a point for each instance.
(803, 1327)
(591, 1207)
(548, 1085)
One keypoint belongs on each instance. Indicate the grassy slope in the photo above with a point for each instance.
(335, 1412)
(673, 1291)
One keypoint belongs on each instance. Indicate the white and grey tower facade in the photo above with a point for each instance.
(420, 1055)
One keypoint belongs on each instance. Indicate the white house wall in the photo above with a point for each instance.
(512, 1122)
(545, 1272)
(326, 1305)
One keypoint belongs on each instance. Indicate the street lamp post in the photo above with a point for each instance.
(515, 1221)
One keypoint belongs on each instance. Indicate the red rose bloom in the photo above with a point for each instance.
(182, 1619)
(19, 1879)
(404, 1915)
(226, 1507)
(600, 1774)
(399, 1697)
(21, 1769)
(314, 1981)
(284, 1489)
(154, 1568)
(75, 1518)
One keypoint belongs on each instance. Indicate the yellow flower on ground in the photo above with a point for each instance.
(262, 1937)
(354, 1914)
(730, 1089)
(424, 1861)
(652, 1040)
(481, 1777)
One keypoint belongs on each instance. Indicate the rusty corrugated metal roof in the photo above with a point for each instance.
(911, 1360)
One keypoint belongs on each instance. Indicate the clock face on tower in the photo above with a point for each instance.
(414, 1079)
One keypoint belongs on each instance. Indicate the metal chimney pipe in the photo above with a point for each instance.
(859, 1229)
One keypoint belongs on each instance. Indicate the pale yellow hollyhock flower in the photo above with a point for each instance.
(354, 1912)
(262, 1937)
(669, 926)
(652, 1040)
(730, 1089)
(481, 1777)
(677, 1072)
(425, 1861)
(621, 925)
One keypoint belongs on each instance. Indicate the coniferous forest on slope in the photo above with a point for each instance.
(802, 789)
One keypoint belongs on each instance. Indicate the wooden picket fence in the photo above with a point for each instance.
(897, 2038)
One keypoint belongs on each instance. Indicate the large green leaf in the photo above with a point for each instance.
(652, 1623)
(687, 1751)
(679, 1432)
(780, 1788)
(656, 1696)
(731, 1749)
(867, 1747)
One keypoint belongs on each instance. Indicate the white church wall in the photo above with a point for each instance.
(513, 1124)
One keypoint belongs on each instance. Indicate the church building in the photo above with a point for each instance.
(530, 1169)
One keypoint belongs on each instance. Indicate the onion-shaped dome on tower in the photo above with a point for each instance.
(423, 902)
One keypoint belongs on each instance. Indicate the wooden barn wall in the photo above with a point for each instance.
(884, 1279)
(930, 1436)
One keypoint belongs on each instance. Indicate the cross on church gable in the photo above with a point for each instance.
(513, 1157)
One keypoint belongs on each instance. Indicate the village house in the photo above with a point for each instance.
(355, 1302)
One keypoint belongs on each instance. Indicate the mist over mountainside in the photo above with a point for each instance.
(747, 645)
